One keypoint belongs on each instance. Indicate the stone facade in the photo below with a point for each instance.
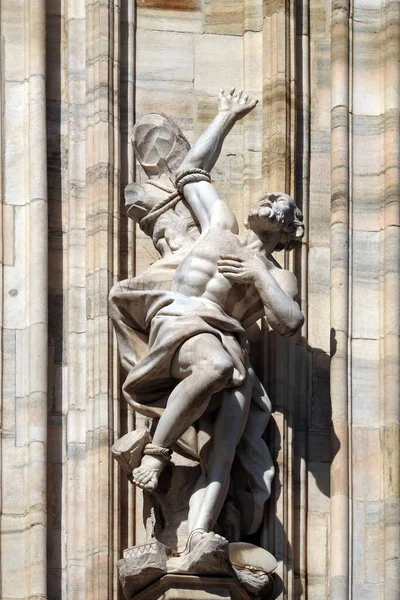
(75, 75)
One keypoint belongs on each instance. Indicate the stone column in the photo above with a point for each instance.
(24, 327)
(365, 284)
(102, 209)
(279, 95)
(339, 529)
(390, 344)
(286, 361)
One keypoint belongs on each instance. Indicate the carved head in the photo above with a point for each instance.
(159, 144)
(277, 212)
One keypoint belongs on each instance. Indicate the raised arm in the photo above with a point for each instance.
(205, 152)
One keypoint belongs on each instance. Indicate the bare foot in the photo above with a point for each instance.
(146, 476)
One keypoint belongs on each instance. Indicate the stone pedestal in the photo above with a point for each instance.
(193, 587)
(141, 566)
(212, 569)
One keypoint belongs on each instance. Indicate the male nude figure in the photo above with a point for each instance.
(232, 274)
(202, 366)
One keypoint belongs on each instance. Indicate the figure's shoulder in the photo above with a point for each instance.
(286, 279)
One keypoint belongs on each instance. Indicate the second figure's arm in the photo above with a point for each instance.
(282, 311)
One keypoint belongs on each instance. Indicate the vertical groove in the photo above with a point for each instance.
(102, 186)
(302, 195)
(391, 302)
(278, 173)
(75, 292)
(37, 303)
(115, 191)
(2, 324)
(126, 238)
(339, 527)
(278, 96)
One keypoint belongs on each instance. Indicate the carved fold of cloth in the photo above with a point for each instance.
(150, 326)
(169, 319)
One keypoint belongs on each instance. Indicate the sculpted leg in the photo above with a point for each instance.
(211, 490)
(204, 368)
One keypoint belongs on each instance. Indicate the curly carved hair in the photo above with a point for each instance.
(269, 211)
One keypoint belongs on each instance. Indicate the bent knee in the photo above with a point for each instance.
(219, 370)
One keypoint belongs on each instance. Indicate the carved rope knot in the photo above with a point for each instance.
(191, 176)
(187, 176)
(153, 450)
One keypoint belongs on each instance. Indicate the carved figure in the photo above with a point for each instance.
(181, 325)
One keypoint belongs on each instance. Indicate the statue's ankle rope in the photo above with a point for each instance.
(160, 451)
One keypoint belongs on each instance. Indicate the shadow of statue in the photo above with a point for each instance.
(302, 444)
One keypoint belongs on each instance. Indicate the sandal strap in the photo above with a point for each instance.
(197, 531)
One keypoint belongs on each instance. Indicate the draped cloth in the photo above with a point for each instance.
(151, 323)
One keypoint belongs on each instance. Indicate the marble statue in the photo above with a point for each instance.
(181, 327)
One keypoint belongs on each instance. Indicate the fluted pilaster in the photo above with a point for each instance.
(102, 203)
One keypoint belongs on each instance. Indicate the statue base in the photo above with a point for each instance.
(212, 569)
(141, 566)
(182, 587)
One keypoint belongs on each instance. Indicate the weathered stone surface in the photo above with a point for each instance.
(257, 583)
(186, 587)
(140, 566)
(253, 566)
(210, 556)
(71, 91)
(242, 555)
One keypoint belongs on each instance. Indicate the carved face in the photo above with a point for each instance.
(159, 144)
(277, 213)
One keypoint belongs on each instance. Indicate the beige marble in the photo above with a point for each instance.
(107, 64)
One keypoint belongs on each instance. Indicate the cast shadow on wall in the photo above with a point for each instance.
(56, 303)
(299, 436)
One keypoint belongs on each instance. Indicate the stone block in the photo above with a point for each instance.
(359, 554)
(367, 464)
(164, 56)
(210, 556)
(321, 85)
(13, 41)
(318, 290)
(375, 541)
(229, 50)
(141, 566)
(223, 17)
(13, 551)
(192, 587)
(318, 487)
(367, 63)
(317, 545)
(8, 234)
(366, 273)
(175, 98)
(175, 15)
(14, 144)
(365, 383)
(319, 18)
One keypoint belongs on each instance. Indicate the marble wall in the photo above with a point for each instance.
(74, 76)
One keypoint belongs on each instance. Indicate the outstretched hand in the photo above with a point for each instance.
(237, 104)
(239, 269)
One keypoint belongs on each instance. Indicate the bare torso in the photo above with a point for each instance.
(198, 275)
